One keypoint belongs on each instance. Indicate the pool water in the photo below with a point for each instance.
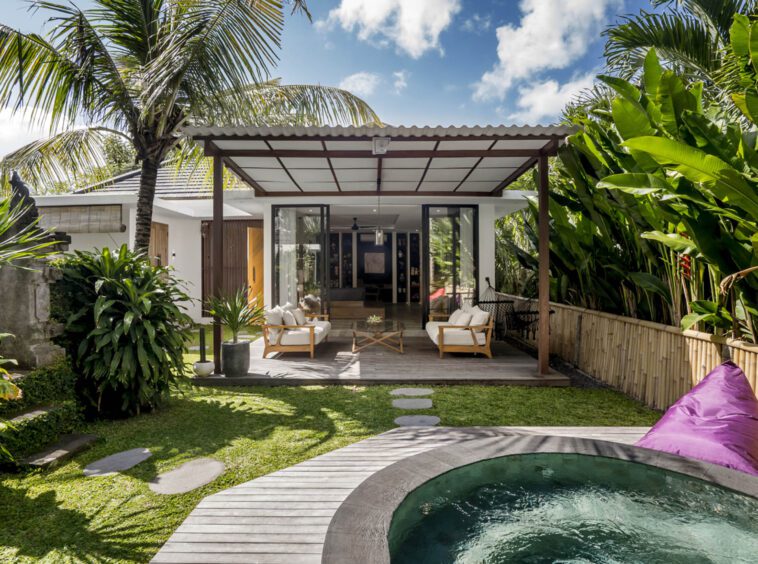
(537, 508)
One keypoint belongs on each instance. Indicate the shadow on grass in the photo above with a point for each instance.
(253, 430)
(66, 530)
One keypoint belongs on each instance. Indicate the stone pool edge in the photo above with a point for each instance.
(358, 532)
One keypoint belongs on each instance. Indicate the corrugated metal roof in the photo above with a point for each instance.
(387, 131)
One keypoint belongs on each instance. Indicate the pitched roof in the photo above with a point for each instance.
(189, 181)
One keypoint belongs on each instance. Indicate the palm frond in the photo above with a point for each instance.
(272, 103)
(61, 161)
(683, 40)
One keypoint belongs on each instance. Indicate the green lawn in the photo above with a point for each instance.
(61, 516)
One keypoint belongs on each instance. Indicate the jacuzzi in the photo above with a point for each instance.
(547, 499)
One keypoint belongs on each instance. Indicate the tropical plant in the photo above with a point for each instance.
(19, 245)
(125, 329)
(654, 205)
(689, 35)
(142, 70)
(236, 311)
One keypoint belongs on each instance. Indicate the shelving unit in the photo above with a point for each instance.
(334, 260)
(414, 268)
(347, 260)
(401, 268)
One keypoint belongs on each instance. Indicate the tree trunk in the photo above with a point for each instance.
(145, 199)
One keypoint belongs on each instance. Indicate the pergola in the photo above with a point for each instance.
(465, 162)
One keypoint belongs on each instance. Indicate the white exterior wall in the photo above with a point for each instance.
(486, 246)
(92, 241)
(185, 257)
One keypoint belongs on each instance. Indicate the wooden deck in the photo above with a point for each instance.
(283, 517)
(336, 364)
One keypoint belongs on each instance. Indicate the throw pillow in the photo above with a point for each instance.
(464, 319)
(288, 318)
(299, 315)
(479, 317)
(453, 319)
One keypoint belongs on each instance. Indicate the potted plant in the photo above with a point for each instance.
(203, 367)
(235, 311)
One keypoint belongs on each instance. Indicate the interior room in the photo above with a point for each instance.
(374, 263)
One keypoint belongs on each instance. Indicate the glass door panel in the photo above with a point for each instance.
(450, 237)
(300, 256)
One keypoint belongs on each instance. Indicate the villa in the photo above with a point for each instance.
(353, 221)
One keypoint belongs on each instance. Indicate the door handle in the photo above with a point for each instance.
(253, 274)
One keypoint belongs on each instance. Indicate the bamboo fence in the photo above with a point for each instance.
(651, 362)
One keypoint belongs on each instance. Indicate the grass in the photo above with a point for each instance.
(59, 515)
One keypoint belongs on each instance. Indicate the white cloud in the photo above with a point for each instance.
(413, 26)
(401, 80)
(18, 130)
(361, 83)
(542, 103)
(477, 23)
(550, 35)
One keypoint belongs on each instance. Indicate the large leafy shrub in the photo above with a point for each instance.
(125, 329)
(654, 202)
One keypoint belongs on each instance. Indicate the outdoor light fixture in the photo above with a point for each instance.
(380, 145)
(379, 237)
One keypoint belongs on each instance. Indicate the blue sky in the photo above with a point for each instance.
(429, 62)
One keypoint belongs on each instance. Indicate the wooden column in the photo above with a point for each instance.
(543, 334)
(217, 252)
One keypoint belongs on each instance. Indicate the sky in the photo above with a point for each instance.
(426, 62)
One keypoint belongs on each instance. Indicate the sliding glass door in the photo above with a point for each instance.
(300, 256)
(450, 257)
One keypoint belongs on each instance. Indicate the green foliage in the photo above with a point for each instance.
(29, 242)
(125, 329)
(41, 386)
(31, 434)
(236, 311)
(653, 203)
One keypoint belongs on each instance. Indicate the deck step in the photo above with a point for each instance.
(66, 447)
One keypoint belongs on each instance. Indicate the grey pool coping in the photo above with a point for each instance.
(358, 532)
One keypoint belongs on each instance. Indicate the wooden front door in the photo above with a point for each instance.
(158, 248)
(255, 262)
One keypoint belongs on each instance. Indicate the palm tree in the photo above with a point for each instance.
(688, 35)
(142, 69)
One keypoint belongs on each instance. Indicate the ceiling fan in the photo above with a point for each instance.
(356, 227)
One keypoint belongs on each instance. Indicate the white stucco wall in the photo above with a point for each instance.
(486, 246)
(185, 256)
(92, 241)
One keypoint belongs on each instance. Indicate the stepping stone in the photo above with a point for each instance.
(66, 447)
(412, 392)
(118, 462)
(188, 476)
(417, 421)
(420, 403)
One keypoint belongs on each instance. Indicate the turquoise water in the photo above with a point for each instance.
(572, 509)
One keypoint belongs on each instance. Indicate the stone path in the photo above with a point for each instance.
(188, 476)
(414, 403)
(118, 462)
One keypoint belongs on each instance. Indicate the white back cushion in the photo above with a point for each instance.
(299, 315)
(288, 318)
(479, 318)
(453, 319)
(463, 319)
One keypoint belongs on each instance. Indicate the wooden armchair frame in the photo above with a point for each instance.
(279, 347)
(474, 347)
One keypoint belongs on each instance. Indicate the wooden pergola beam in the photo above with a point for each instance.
(410, 154)
(217, 250)
(543, 331)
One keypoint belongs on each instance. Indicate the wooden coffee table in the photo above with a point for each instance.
(386, 333)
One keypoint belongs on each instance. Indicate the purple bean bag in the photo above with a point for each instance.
(716, 421)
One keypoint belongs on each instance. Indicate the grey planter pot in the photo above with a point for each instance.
(235, 359)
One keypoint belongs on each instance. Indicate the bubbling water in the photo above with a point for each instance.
(572, 509)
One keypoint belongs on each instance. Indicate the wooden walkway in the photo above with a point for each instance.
(336, 364)
(283, 517)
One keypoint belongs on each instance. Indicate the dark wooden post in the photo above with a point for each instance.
(217, 252)
(543, 334)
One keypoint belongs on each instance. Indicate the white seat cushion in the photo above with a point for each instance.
(301, 335)
(453, 336)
